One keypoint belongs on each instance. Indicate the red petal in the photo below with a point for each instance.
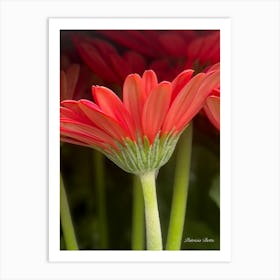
(205, 48)
(212, 110)
(180, 81)
(119, 66)
(63, 86)
(194, 48)
(211, 50)
(181, 105)
(155, 110)
(81, 137)
(136, 62)
(164, 69)
(135, 40)
(148, 42)
(103, 121)
(82, 89)
(112, 106)
(133, 98)
(149, 82)
(95, 62)
(216, 91)
(211, 81)
(92, 132)
(72, 75)
(64, 62)
(214, 67)
(173, 44)
(102, 46)
(73, 105)
(67, 113)
(72, 141)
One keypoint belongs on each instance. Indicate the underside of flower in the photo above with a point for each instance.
(139, 156)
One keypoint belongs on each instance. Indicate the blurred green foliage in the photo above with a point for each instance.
(202, 215)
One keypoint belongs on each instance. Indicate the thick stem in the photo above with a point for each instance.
(138, 221)
(66, 221)
(180, 191)
(153, 230)
(101, 198)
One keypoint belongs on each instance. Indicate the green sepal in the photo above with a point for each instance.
(140, 156)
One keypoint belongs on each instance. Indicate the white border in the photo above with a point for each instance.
(55, 254)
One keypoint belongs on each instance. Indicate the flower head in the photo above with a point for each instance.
(140, 132)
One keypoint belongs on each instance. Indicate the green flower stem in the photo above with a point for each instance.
(180, 191)
(138, 222)
(98, 159)
(153, 230)
(66, 221)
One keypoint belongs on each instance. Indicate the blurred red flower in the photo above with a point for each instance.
(204, 50)
(104, 60)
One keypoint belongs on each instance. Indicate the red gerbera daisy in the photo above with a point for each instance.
(138, 133)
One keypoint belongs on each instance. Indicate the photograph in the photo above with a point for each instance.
(140, 139)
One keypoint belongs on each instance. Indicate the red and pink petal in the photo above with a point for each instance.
(182, 104)
(155, 110)
(89, 130)
(180, 81)
(133, 98)
(149, 82)
(112, 106)
(212, 110)
(211, 81)
(103, 121)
